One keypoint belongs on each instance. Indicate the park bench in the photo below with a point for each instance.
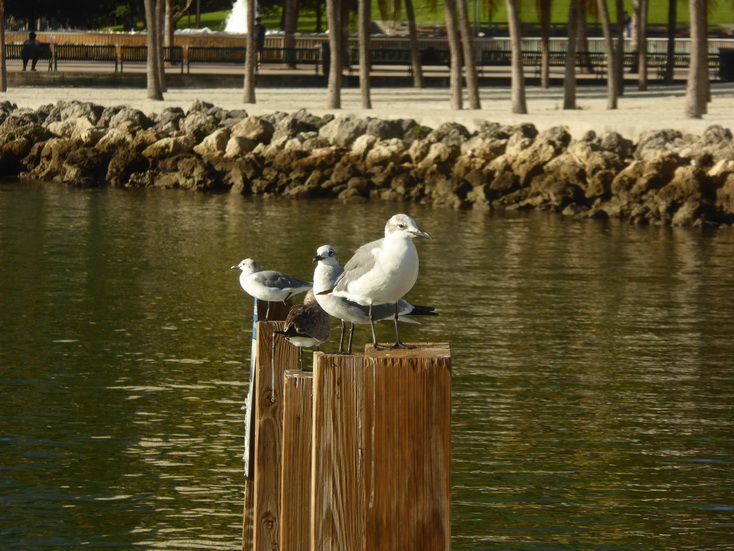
(383, 57)
(103, 53)
(14, 51)
(292, 56)
(139, 55)
(214, 54)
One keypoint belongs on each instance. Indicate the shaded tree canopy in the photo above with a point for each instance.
(88, 14)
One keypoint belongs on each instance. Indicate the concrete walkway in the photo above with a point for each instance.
(659, 107)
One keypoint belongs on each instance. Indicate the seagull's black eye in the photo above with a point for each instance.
(401, 226)
(331, 253)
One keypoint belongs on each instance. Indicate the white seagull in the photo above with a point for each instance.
(324, 277)
(268, 285)
(383, 271)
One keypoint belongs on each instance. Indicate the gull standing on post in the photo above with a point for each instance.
(324, 278)
(306, 325)
(383, 271)
(268, 285)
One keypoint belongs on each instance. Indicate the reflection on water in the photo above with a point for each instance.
(593, 385)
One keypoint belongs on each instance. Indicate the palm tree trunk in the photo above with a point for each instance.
(456, 57)
(619, 58)
(519, 104)
(641, 25)
(611, 64)
(168, 24)
(250, 56)
(694, 109)
(155, 91)
(3, 64)
(334, 18)
(672, 26)
(582, 40)
(415, 54)
(569, 80)
(160, 13)
(290, 28)
(470, 65)
(703, 53)
(544, 7)
(365, 8)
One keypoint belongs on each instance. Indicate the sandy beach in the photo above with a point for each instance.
(659, 107)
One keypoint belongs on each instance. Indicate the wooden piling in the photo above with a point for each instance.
(336, 508)
(278, 311)
(275, 356)
(382, 450)
(406, 446)
(295, 502)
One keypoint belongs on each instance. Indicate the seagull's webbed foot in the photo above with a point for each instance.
(401, 346)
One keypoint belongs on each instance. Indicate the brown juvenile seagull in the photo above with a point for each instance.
(306, 325)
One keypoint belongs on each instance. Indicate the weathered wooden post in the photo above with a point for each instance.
(295, 501)
(381, 473)
(270, 357)
(336, 503)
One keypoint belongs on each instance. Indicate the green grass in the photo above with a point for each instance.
(721, 13)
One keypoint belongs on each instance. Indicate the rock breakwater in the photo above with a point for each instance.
(666, 177)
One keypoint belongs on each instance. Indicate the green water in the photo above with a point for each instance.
(593, 372)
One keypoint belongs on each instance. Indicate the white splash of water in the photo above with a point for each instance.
(237, 19)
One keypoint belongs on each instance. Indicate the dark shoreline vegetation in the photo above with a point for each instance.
(667, 177)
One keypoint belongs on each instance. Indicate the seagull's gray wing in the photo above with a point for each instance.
(279, 280)
(362, 262)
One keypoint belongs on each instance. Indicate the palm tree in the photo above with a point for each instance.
(153, 69)
(611, 58)
(672, 25)
(519, 104)
(544, 9)
(697, 89)
(290, 24)
(456, 57)
(389, 9)
(3, 66)
(365, 6)
(619, 57)
(470, 65)
(250, 56)
(159, 15)
(569, 81)
(170, 19)
(336, 46)
(640, 32)
(415, 54)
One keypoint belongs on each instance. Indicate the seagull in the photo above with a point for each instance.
(268, 285)
(306, 325)
(383, 271)
(324, 277)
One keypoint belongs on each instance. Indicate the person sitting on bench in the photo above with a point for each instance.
(31, 51)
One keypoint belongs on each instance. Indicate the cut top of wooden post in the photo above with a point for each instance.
(421, 351)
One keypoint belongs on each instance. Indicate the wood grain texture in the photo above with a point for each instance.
(295, 489)
(382, 450)
(406, 423)
(337, 519)
(274, 357)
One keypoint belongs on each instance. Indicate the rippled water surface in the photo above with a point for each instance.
(593, 369)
